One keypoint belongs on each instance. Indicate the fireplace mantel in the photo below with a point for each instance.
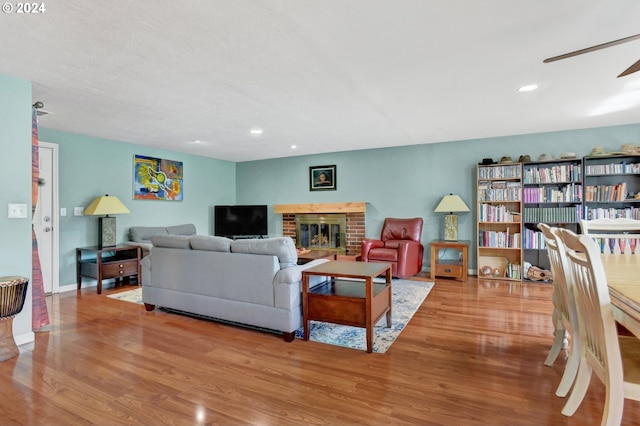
(356, 207)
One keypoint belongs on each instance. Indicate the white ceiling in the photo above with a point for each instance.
(325, 75)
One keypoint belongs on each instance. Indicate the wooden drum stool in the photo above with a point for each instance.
(12, 293)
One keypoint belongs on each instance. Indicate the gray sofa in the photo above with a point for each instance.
(254, 282)
(141, 235)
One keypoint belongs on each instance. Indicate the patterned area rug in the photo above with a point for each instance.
(133, 296)
(406, 299)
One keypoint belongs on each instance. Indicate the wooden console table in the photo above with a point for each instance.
(455, 268)
(109, 262)
(358, 303)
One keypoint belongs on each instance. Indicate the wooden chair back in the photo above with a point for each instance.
(565, 312)
(613, 235)
(598, 334)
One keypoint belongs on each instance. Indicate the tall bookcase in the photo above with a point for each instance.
(611, 182)
(552, 194)
(499, 211)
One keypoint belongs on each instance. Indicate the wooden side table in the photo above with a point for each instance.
(456, 268)
(109, 262)
(356, 302)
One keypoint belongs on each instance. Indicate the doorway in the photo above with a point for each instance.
(46, 216)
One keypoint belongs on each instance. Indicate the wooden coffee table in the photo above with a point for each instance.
(358, 302)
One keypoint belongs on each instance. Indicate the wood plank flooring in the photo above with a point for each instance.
(472, 355)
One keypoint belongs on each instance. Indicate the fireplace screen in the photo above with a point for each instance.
(322, 232)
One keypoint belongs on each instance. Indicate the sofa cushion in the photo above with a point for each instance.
(283, 247)
(143, 234)
(186, 229)
(210, 243)
(172, 241)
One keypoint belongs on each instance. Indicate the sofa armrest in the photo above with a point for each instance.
(145, 247)
(293, 274)
(368, 244)
(145, 269)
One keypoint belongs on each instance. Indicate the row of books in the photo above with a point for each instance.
(499, 213)
(513, 270)
(556, 174)
(606, 193)
(612, 169)
(567, 194)
(552, 214)
(500, 172)
(498, 239)
(499, 191)
(591, 213)
(533, 240)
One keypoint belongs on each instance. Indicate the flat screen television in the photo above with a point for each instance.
(240, 221)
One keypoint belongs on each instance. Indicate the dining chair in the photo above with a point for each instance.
(565, 316)
(607, 231)
(615, 359)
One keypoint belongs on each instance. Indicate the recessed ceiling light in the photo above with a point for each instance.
(255, 131)
(293, 147)
(195, 141)
(528, 88)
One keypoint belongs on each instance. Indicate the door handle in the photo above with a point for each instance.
(47, 229)
(46, 218)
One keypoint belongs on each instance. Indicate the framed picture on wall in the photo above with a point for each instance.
(322, 178)
(157, 179)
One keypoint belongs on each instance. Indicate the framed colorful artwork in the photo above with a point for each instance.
(157, 179)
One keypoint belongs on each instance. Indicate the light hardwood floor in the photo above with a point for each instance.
(472, 355)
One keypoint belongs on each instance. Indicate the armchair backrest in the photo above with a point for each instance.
(402, 229)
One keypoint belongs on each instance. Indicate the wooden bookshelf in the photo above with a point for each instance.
(499, 225)
(612, 183)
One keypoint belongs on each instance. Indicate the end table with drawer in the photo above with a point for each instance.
(119, 262)
(453, 268)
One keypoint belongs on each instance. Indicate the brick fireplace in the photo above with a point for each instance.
(355, 216)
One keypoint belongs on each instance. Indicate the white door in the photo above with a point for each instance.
(45, 217)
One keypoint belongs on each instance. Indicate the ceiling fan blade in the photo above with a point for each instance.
(633, 68)
(593, 48)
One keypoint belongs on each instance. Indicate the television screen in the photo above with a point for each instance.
(239, 221)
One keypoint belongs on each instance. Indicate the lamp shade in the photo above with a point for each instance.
(105, 205)
(450, 204)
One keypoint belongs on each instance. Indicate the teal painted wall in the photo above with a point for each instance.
(15, 152)
(91, 166)
(410, 181)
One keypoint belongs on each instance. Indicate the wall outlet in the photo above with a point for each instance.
(17, 211)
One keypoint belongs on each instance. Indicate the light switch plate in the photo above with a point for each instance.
(63, 211)
(17, 211)
(78, 211)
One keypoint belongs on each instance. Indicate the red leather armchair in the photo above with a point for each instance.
(399, 245)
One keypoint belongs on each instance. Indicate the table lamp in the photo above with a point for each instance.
(106, 205)
(451, 204)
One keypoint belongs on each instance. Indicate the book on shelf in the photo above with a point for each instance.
(606, 193)
(591, 213)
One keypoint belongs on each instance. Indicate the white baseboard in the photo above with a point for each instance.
(74, 286)
(22, 339)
